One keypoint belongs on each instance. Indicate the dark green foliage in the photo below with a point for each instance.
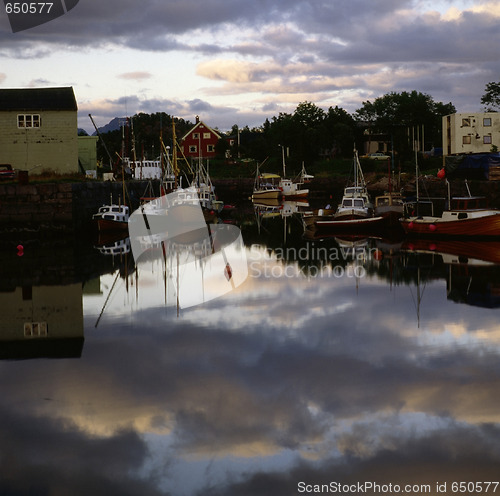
(491, 97)
(397, 114)
(146, 129)
(310, 135)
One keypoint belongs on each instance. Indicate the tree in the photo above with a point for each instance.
(341, 130)
(396, 113)
(491, 97)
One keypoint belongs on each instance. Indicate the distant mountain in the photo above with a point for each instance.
(112, 125)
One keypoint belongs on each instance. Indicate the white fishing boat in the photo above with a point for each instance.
(112, 217)
(356, 203)
(293, 189)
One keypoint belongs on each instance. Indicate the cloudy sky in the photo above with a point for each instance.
(240, 61)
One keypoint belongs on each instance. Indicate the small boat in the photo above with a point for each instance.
(310, 218)
(354, 214)
(292, 189)
(113, 217)
(356, 202)
(468, 216)
(266, 186)
(206, 191)
(390, 205)
(366, 225)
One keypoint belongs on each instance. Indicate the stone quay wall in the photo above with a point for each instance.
(71, 205)
(61, 204)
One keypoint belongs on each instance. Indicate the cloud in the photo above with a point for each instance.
(40, 446)
(137, 75)
(245, 57)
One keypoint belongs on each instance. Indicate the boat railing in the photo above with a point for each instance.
(414, 208)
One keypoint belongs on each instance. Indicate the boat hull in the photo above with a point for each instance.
(297, 195)
(485, 224)
(309, 220)
(107, 225)
(267, 195)
(367, 225)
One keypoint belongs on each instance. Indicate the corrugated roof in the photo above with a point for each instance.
(38, 99)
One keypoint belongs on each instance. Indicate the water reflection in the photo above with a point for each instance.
(305, 372)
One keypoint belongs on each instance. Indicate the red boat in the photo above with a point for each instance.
(467, 218)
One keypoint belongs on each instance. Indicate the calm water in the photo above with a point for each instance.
(314, 364)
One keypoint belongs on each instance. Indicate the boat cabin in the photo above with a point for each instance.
(119, 213)
(355, 191)
(268, 181)
(468, 203)
(353, 202)
(356, 197)
(389, 200)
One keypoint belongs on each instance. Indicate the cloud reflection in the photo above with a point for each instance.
(281, 381)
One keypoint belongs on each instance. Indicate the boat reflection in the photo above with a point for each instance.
(471, 268)
(197, 266)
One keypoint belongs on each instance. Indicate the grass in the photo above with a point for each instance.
(224, 169)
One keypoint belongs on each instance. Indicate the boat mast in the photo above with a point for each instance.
(355, 166)
(416, 170)
(174, 154)
(283, 160)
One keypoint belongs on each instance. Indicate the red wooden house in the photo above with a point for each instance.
(200, 141)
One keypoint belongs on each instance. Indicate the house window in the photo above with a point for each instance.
(466, 122)
(487, 140)
(206, 135)
(28, 120)
(196, 135)
(487, 122)
(466, 140)
(193, 149)
(210, 148)
(35, 330)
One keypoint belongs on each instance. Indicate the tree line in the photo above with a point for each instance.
(309, 133)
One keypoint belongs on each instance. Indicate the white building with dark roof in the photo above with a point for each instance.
(39, 129)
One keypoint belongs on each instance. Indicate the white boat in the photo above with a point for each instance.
(293, 189)
(205, 190)
(113, 217)
(266, 186)
(356, 202)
